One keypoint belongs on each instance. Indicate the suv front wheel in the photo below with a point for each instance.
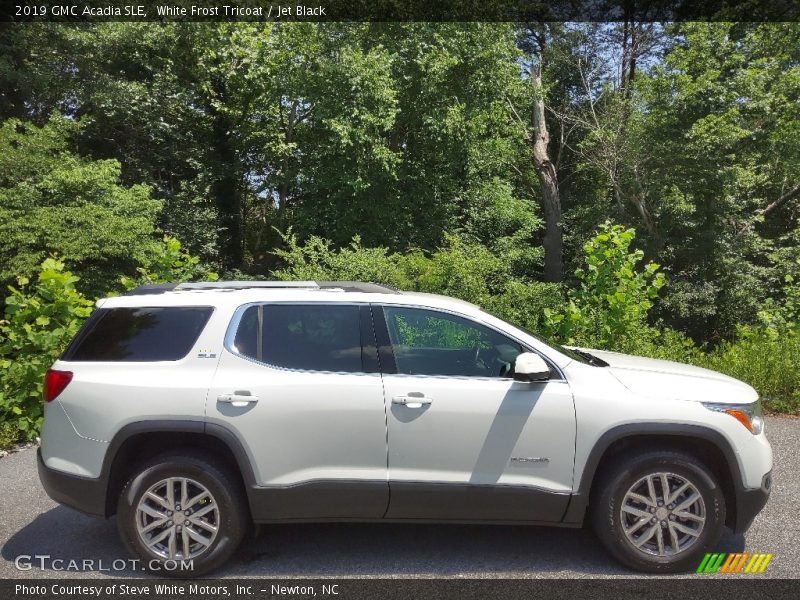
(182, 511)
(659, 512)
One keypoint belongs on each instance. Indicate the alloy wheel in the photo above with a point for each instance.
(663, 514)
(177, 518)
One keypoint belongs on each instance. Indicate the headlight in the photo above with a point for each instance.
(749, 415)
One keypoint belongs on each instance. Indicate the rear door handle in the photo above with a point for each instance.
(412, 401)
(238, 398)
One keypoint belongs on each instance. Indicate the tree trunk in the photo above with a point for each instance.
(226, 195)
(548, 180)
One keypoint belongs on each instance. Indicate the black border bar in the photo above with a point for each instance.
(697, 586)
(400, 10)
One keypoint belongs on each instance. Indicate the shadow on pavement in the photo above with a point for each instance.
(67, 535)
(308, 550)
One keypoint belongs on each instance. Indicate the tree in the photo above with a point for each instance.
(534, 41)
(602, 111)
(53, 201)
(721, 126)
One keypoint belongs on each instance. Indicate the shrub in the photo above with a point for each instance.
(40, 320)
(461, 269)
(169, 262)
(609, 307)
(53, 200)
(317, 260)
(768, 361)
(666, 344)
(9, 435)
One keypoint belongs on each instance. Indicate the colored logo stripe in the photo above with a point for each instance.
(737, 562)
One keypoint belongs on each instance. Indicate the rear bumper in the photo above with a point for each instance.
(85, 494)
(750, 502)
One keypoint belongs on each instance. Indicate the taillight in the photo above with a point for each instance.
(55, 382)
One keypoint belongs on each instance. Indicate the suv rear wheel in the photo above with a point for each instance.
(182, 506)
(659, 512)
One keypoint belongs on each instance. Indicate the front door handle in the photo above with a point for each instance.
(412, 401)
(238, 398)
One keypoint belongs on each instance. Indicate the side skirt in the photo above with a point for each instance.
(423, 502)
(319, 500)
(456, 501)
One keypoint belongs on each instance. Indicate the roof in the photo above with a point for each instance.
(345, 286)
(230, 295)
(236, 293)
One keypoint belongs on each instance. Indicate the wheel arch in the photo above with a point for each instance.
(707, 444)
(140, 440)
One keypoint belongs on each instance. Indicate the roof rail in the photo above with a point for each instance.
(346, 286)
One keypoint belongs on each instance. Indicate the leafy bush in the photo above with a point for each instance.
(609, 307)
(666, 344)
(768, 361)
(40, 320)
(9, 435)
(317, 260)
(461, 269)
(55, 201)
(169, 262)
(784, 316)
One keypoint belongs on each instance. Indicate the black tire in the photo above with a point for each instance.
(225, 488)
(612, 487)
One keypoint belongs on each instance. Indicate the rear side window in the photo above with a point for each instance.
(139, 334)
(320, 337)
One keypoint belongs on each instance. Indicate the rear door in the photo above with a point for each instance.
(466, 441)
(300, 387)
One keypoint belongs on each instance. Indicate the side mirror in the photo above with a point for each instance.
(531, 367)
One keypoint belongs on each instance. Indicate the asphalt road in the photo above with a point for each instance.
(32, 524)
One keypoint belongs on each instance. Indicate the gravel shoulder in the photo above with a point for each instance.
(32, 524)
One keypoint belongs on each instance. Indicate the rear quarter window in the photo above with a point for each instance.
(142, 334)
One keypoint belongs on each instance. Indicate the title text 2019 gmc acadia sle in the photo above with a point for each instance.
(192, 411)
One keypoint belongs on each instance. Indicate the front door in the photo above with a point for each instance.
(299, 386)
(467, 441)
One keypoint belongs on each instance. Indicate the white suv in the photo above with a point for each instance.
(194, 410)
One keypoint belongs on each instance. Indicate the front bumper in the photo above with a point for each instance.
(750, 502)
(85, 494)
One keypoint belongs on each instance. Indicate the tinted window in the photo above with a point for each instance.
(428, 342)
(139, 334)
(309, 337)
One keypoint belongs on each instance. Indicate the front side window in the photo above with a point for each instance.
(427, 342)
(309, 337)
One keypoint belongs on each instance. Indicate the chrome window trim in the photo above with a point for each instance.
(233, 326)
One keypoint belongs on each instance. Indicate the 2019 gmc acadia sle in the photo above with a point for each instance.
(192, 411)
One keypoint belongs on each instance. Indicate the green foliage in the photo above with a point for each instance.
(169, 263)
(431, 332)
(40, 320)
(400, 153)
(767, 361)
(52, 200)
(9, 435)
(783, 317)
(721, 134)
(461, 269)
(316, 259)
(609, 307)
